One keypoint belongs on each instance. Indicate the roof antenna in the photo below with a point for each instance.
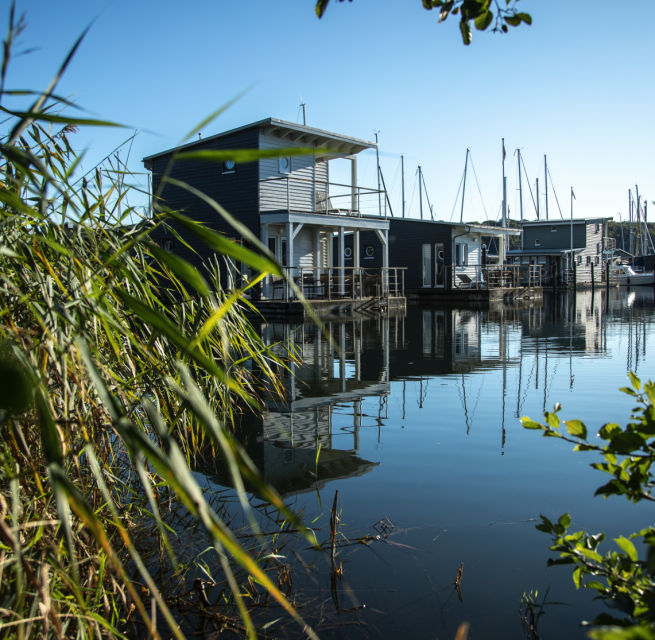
(200, 136)
(304, 112)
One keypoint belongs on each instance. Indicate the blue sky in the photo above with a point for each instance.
(575, 86)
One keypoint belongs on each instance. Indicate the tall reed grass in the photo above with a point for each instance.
(118, 363)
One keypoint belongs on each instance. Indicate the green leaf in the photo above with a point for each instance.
(465, 28)
(628, 547)
(530, 424)
(180, 267)
(321, 6)
(15, 387)
(626, 442)
(246, 155)
(552, 419)
(483, 20)
(577, 577)
(576, 428)
(526, 17)
(628, 390)
(607, 430)
(513, 21)
(595, 585)
(565, 520)
(636, 382)
(592, 555)
(45, 117)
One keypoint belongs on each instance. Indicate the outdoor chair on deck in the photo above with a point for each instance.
(466, 280)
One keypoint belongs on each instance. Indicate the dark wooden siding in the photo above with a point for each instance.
(237, 192)
(406, 238)
(560, 239)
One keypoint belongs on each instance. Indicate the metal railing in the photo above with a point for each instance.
(337, 283)
(317, 196)
(609, 244)
(507, 276)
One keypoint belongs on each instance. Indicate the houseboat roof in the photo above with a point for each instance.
(529, 223)
(338, 143)
(542, 252)
(476, 227)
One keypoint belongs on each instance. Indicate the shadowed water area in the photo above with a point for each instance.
(417, 421)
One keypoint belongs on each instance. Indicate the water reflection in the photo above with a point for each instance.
(342, 383)
(415, 418)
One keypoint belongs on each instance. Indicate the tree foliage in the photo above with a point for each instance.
(481, 14)
(621, 580)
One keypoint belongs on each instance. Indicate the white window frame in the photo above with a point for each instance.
(537, 242)
(553, 229)
(279, 165)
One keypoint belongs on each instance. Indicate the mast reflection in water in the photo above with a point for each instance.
(415, 418)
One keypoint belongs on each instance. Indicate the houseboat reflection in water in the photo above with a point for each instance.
(340, 385)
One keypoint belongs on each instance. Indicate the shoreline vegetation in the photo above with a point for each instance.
(119, 363)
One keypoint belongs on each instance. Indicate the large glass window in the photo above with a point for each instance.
(427, 265)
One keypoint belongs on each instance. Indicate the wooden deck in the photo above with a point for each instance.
(326, 308)
(480, 295)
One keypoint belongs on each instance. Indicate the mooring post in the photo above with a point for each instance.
(555, 280)
(607, 276)
(575, 275)
(592, 276)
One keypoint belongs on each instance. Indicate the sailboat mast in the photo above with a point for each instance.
(537, 188)
(402, 164)
(520, 185)
(630, 219)
(546, 182)
(377, 157)
(639, 222)
(420, 191)
(504, 223)
(466, 164)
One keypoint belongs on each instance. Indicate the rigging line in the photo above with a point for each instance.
(552, 184)
(409, 210)
(122, 144)
(427, 197)
(457, 197)
(479, 190)
(529, 186)
(398, 208)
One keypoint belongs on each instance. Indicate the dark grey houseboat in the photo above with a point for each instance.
(448, 259)
(290, 203)
(566, 251)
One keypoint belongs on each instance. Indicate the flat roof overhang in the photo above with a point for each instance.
(532, 223)
(475, 228)
(543, 252)
(338, 144)
(322, 220)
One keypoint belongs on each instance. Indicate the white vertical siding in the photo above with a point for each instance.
(303, 248)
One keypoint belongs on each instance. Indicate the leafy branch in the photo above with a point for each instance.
(479, 12)
(628, 454)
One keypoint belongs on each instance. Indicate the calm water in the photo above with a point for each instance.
(417, 422)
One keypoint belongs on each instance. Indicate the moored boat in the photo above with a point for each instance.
(628, 277)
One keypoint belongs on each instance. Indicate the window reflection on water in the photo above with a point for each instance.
(415, 418)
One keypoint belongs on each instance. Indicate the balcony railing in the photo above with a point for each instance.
(317, 196)
(507, 276)
(609, 244)
(337, 283)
